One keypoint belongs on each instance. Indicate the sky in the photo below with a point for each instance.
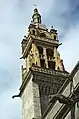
(15, 17)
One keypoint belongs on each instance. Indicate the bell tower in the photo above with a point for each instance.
(44, 72)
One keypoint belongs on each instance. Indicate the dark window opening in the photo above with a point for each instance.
(51, 65)
(40, 49)
(42, 62)
(50, 53)
(49, 90)
(42, 35)
(38, 20)
(36, 63)
(78, 104)
(33, 64)
(58, 68)
(54, 37)
(33, 32)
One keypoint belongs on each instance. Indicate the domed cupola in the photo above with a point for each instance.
(36, 17)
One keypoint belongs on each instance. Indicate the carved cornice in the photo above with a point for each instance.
(46, 40)
(50, 72)
(42, 72)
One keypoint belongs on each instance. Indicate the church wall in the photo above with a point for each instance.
(36, 101)
(27, 102)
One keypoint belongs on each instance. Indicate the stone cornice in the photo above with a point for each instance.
(50, 71)
(41, 72)
(48, 40)
(37, 39)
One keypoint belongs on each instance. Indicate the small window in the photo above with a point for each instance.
(51, 65)
(42, 62)
(40, 49)
(36, 63)
(58, 68)
(50, 52)
(54, 37)
(49, 89)
(33, 32)
(33, 64)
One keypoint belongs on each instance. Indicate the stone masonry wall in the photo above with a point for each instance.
(27, 102)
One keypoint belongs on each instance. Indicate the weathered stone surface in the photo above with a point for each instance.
(27, 102)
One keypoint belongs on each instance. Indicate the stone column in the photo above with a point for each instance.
(55, 52)
(45, 56)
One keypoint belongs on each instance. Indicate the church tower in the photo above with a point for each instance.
(44, 72)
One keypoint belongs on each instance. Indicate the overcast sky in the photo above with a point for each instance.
(15, 16)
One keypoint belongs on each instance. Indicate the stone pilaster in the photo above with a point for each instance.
(45, 57)
(55, 56)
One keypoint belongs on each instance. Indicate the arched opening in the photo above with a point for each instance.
(33, 32)
(50, 53)
(33, 64)
(40, 49)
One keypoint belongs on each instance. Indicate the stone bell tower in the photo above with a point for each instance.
(44, 72)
